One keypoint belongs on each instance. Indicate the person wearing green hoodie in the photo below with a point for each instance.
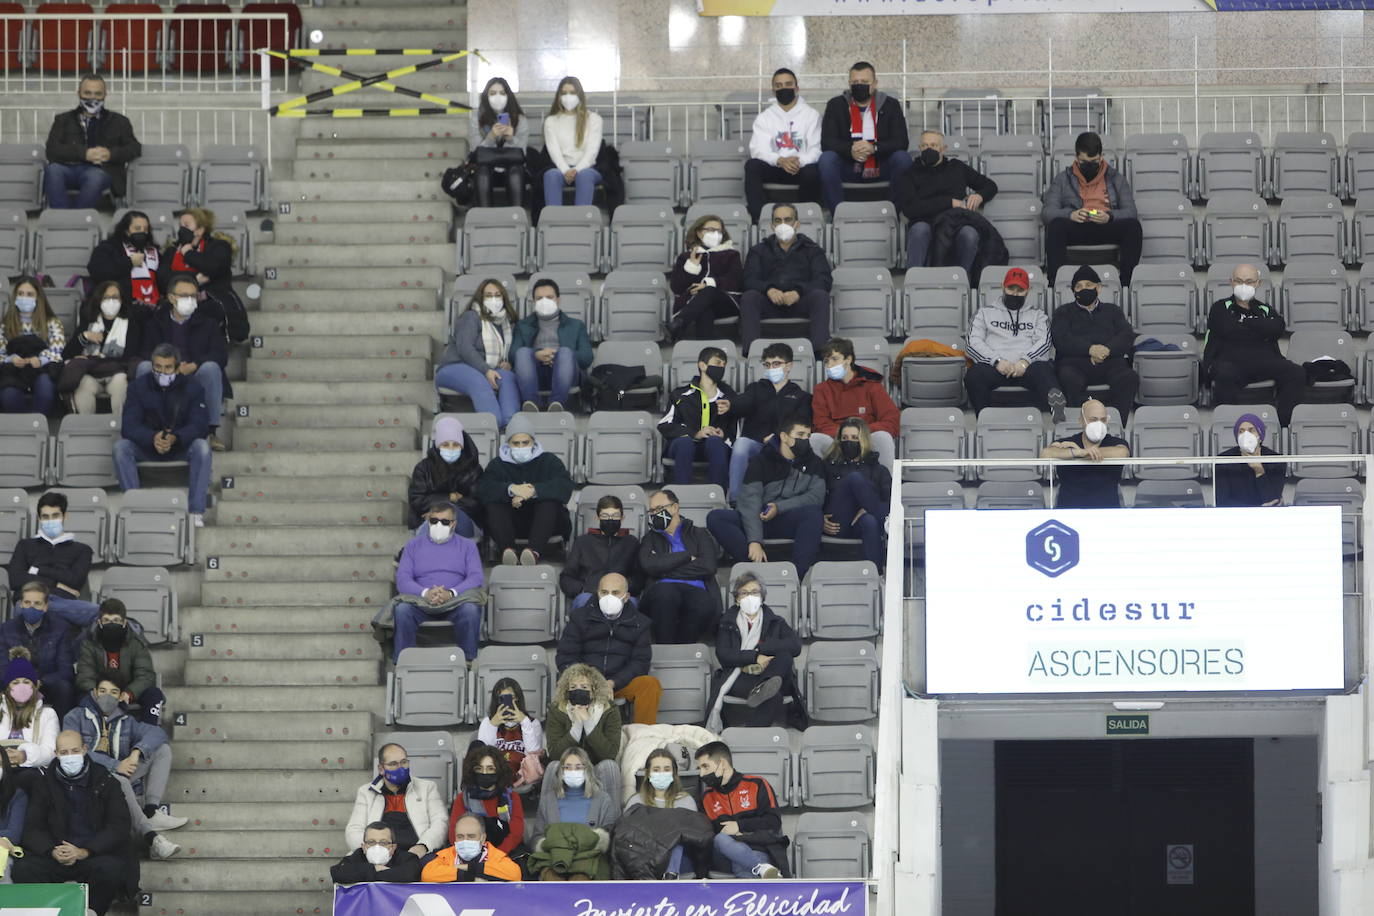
(525, 493)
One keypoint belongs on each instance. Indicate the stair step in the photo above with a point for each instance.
(455, 127)
(351, 233)
(392, 323)
(427, 170)
(357, 191)
(322, 843)
(303, 876)
(308, 464)
(340, 307)
(377, 418)
(267, 785)
(359, 254)
(320, 621)
(247, 815)
(344, 570)
(447, 84)
(360, 487)
(222, 756)
(304, 594)
(326, 727)
(400, 369)
(341, 210)
(326, 440)
(453, 149)
(417, 37)
(250, 513)
(251, 647)
(375, 278)
(302, 673)
(235, 902)
(332, 394)
(194, 698)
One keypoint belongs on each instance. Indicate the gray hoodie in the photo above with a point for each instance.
(998, 332)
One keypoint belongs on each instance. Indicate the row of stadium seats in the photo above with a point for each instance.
(150, 527)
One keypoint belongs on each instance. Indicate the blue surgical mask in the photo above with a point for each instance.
(398, 777)
(522, 454)
(25, 304)
(661, 780)
(31, 615)
(51, 527)
(450, 455)
(775, 375)
(467, 849)
(835, 372)
(71, 763)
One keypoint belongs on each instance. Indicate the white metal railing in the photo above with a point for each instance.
(196, 128)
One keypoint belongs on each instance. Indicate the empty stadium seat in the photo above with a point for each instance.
(432, 755)
(785, 596)
(1166, 432)
(232, 178)
(682, 362)
(844, 600)
(920, 496)
(84, 452)
(685, 673)
(88, 519)
(1362, 231)
(696, 500)
(766, 752)
(1074, 110)
(1230, 163)
(21, 175)
(643, 236)
(1314, 294)
(149, 598)
(1168, 376)
(63, 242)
(621, 447)
(1310, 227)
(428, 687)
(202, 45)
(864, 234)
(483, 429)
(1305, 163)
(1168, 233)
(933, 433)
(1163, 299)
(634, 304)
(1169, 494)
(495, 239)
(715, 170)
(1325, 429)
(831, 845)
(160, 177)
(841, 681)
(524, 605)
(836, 766)
(652, 172)
(861, 302)
(23, 450)
(133, 45)
(978, 113)
(1008, 432)
(528, 665)
(1312, 344)
(1359, 164)
(569, 238)
(1363, 319)
(1158, 165)
(152, 529)
(64, 45)
(14, 244)
(874, 353)
(1236, 229)
(643, 353)
(936, 305)
(280, 30)
(1345, 492)
(632, 500)
(804, 371)
(1009, 494)
(1221, 432)
(1018, 221)
(1016, 162)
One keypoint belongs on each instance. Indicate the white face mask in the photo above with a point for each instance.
(185, 306)
(751, 605)
(1096, 431)
(574, 779)
(1248, 442)
(568, 100)
(497, 100)
(522, 453)
(546, 307)
(1243, 291)
(110, 308)
(71, 763)
(440, 533)
(711, 238)
(611, 606)
(377, 855)
(784, 232)
(495, 306)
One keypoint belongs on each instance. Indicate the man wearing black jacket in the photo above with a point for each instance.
(863, 138)
(1092, 345)
(696, 423)
(77, 828)
(614, 638)
(743, 809)
(58, 560)
(1242, 346)
(934, 185)
(607, 548)
(378, 859)
(680, 560)
(88, 149)
(785, 276)
(761, 406)
(198, 336)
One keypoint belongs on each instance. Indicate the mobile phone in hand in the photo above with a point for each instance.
(503, 118)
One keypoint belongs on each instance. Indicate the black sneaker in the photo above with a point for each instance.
(764, 692)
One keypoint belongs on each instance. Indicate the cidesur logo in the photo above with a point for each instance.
(1052, 548)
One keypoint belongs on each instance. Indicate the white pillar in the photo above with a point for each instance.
(917, 884)
(1345, 878)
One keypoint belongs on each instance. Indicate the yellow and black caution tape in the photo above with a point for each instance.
(370, 112)
(295, 108)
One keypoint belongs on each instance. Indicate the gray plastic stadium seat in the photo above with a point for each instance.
(529, 665)
(804, 371)
(632, 499)
(1310, 227)
(23, 450)
(682, 362)
(65, 303)
(933, 432)
(1325, 429)
(1362, 231)
(621, 447)
(1016, 162)
(427, 688)
(1314, 295)
(576, 294)
(14, 244)
(685, 673)
(634, 304)
(88, 519)
(149, 597)
(1309, 344)
(936, 302)
(643, 236)
(733, 214)
(524, 605)
(1169, 376)
(831, 844)
(85, 450)
(569, 238)
(495, 240)
(652, 172)
(844, 600)
(232, 178)
(715, 170)
(810, 222)
(1359, 164)
(464, 286)
(1074, 110)
(1158, 165)
(556, 432)
(1018, 221)
(1009, 432)
(63, 242)
(864, 234)
(765, 752)
(1231, 163)
(836, 766)
(861, 302)
(920, 496)
(160, 177)
(1219, 286)
(1169, 494)
(980, 113)
(841, 682)
(15, 522)
(1168, 232)
(1236, 228)
(234, 224)
(1305, 163)
(1010, 494)
(1221, 433)
(152, 529)
(1364, 299)
(1111, 283)
(1345, 492)
(874, 353)
(695, 500)
(21, 175)
(432, 756)
(634, 353)
(785, 595)
(1163, 299)
(1166, 432)
(483, 429)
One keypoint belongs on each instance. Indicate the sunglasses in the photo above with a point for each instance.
(446, 522)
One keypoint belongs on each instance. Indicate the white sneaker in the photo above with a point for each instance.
(164, 848)
(767, 872)
(162, 820)
(198, 519)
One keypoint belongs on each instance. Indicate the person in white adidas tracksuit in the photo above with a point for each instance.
(1009, 344)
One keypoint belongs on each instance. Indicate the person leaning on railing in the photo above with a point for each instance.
(1093, 485)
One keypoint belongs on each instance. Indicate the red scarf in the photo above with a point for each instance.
(143, 280)
(869, 167)
(179, 264)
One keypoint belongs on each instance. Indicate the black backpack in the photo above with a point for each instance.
(460, 183)
(613, 387)
(236, 325)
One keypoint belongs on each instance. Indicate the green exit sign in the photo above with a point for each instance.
(1128, 725)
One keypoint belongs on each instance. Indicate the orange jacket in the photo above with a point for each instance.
(864, 396)
(492, 865)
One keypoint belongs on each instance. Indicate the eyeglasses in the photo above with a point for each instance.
(446, 522)
(376, 842)
(755, 594)
(404, 762)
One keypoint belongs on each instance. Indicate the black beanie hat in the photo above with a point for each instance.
(1086, 273)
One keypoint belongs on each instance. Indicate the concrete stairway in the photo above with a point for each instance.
(283, 681)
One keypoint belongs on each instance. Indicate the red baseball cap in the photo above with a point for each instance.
(1017, 276)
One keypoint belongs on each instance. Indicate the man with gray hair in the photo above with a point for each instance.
(166, 419)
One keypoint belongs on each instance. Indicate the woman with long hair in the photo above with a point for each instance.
(572, 139)
(498, 133)
(572, 794)
(130, 257)
(707, 279)
(31, 343)
(476, 361)
(510, 729)
(102, 350)
(487, 791)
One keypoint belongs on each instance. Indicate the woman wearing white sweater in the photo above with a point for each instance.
(572, 138)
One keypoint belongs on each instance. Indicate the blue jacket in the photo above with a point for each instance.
(572, 333)
(50, 646)
(180, 407)
(126, 733)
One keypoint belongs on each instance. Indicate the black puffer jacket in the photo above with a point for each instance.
(644, 839)
(593, 555)
(434, 478)
(620, 649)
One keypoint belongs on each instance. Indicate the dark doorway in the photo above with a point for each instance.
(1131, 828)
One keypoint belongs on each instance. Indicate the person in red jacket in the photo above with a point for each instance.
(850, 390)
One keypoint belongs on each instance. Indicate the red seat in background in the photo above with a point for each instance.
(201, 45)
(64, 45)
(132, 45)
(12, 39)
(269, 33)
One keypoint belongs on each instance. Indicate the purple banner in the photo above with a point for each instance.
(606, 898)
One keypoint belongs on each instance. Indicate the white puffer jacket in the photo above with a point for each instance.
(427, 812)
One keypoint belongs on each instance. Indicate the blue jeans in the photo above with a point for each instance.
(532, 375)
(675, 858)
(74, 611)
(852, 493)
(736, 855)
(14, 399)
(803, 525)
(584, 187)
(740, 453)
(502, 403)
(466, 619)
(835, 171)
(684, 449)
(127, 454)
(211, 378)
(89, 181)
(918, 246)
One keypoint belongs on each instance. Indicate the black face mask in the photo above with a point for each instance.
(715, 373)
(801, 449)
(850, 450)
(111, 636)
(1013, 301)
(184, 236)
(577, 697)
(138, 239)
(785, 96)
(1086, 296)
(610, 527)
(711, 780)
(860, 92)
(659, 521)
(930, 157)
(484, 782)
(1089, 169)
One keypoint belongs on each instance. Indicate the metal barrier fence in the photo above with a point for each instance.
(196, 128)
